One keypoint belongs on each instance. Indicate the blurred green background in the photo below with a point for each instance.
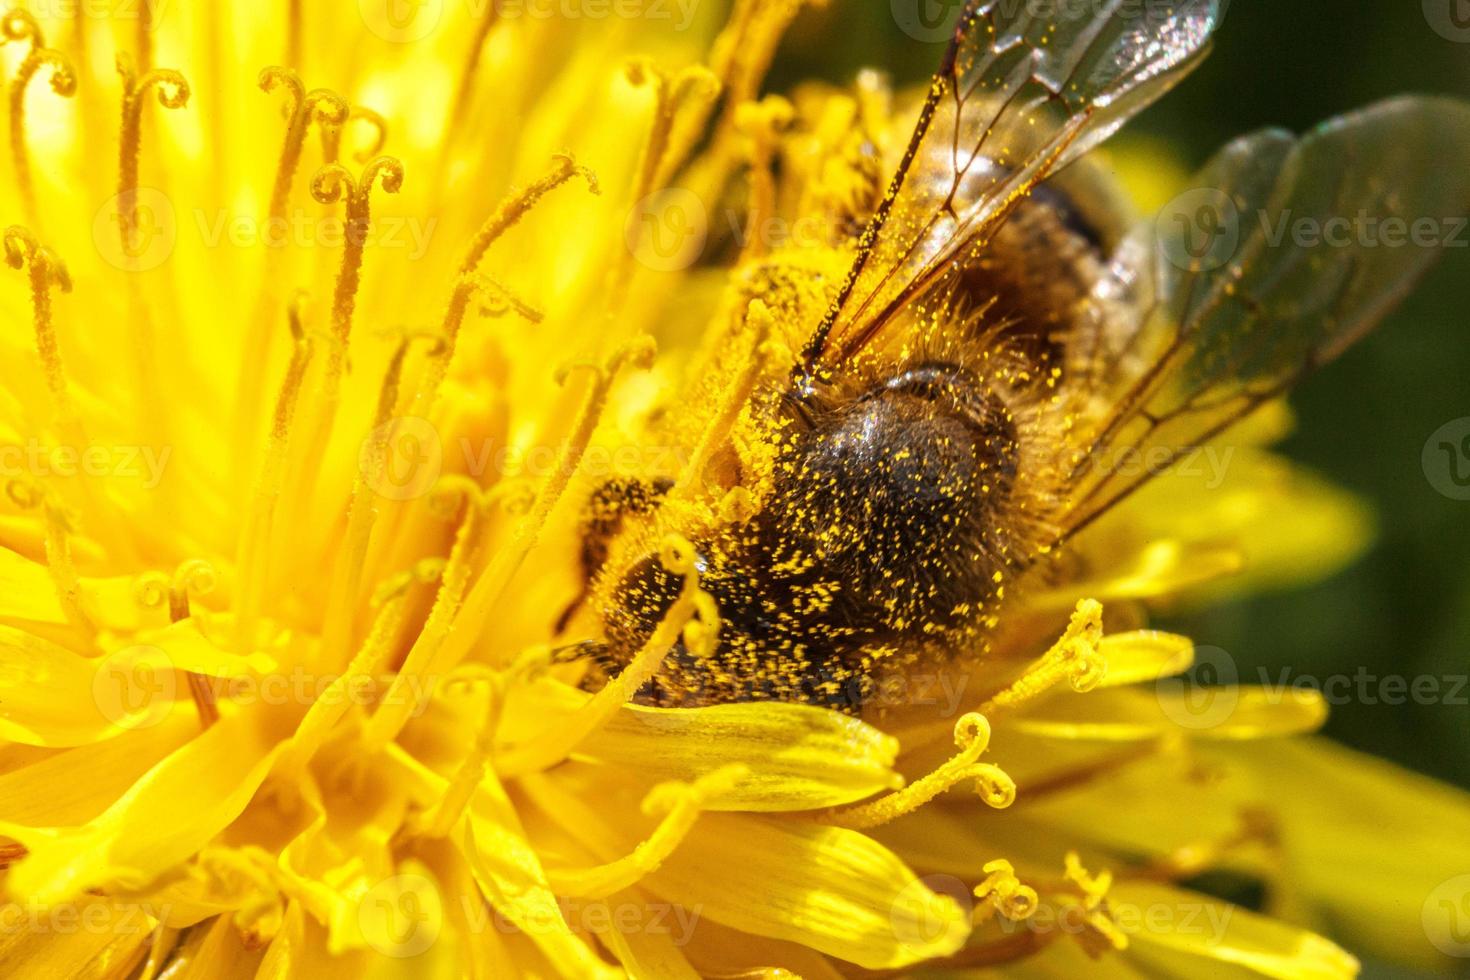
(1404, 608)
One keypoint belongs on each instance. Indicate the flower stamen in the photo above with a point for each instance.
(972, 736)
(329, 111)
(497, 577)
(1004, 893)
(19, 25)
(322, 106)
(173, 93)
(515, 207)
(471, 68)
(763, 123)
(362, 512)
(441, 818)
(542, 752)
(1076, 657)
(736, 396)
(495, 300)
(59, 563)
(404, 697)
(331, 184)
(1103, 933)
(332, 135)
(254, 554)
(680, 805)
(197, 577)
(47, 273)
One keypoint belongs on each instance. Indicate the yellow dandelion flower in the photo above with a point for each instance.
(478, 503)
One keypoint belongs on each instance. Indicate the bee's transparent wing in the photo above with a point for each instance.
(1286, 252)
(1019, 95)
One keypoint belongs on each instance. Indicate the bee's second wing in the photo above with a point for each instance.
(1017, 97)
(1286, 252)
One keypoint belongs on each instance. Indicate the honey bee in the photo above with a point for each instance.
(1003, 330)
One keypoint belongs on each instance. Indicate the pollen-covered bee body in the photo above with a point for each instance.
(882, 539)
(1002, 331)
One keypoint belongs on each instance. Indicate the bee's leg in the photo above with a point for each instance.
(602, 521)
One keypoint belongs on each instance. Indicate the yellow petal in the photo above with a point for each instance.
(69, 788)
(52, 696)
(166, 816)
(510, 876)
(797, 757)
(1381, 852)
(1127, 715)
(26, 590)
(647, 949)
(1181, 931)
(1144, 655)
(837, 891)
(88, 939)
(1287, 525)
